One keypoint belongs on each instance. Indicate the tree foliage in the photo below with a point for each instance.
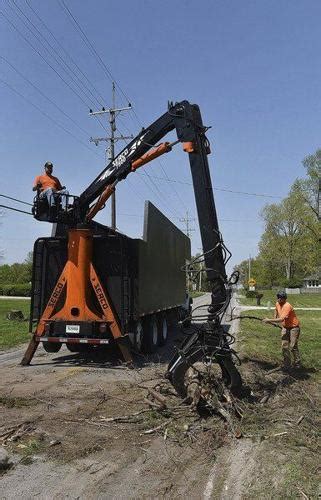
(289, 247)
(17, 273)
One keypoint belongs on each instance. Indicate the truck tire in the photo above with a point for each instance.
(51, 346)
(138, 336)
(172, 317)
(78, 347)
(150, 338)
(162, 328)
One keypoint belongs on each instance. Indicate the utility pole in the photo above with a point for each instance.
(319, 197)
(249, 267)
(186, 220)
(112, 139)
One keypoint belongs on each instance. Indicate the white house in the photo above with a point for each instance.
(313, 281)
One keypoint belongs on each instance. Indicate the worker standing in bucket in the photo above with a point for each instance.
(285, 314)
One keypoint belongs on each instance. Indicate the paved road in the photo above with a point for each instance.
(5, 297)
(16, 354)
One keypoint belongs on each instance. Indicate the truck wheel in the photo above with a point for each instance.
(172, 317)
(138, 336)
(162, 329)
(51, 346)
(78, 347)
(150, 339)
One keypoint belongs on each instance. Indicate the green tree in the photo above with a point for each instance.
(288, 240)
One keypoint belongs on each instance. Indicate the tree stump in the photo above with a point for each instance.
(15, 315)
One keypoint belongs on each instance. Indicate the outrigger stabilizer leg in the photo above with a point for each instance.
(78, 278)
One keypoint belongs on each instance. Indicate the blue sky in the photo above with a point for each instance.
(252, 66)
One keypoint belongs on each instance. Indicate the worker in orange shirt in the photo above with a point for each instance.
(285, 314)
(49, 186)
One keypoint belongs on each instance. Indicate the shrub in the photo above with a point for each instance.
(16, 290)
(250, 294)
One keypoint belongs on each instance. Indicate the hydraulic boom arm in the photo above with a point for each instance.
(186, 119)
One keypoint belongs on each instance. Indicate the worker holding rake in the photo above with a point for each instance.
(285, 314)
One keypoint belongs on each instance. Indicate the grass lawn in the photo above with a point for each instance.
(195, 294)
(261, 341)
(297, 300)
(286, 426)
(13, 332)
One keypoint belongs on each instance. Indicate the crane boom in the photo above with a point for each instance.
(186, 119)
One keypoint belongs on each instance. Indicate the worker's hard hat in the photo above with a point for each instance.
(281, 295)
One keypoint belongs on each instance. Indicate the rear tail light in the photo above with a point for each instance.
(102, 327)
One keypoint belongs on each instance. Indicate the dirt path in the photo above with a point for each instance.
(63, 445)
(69, 451)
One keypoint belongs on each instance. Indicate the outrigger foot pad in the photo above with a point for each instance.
(30, 352)
(123, 345)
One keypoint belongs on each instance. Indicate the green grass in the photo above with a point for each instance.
(297, 300)
(13, 333)
(261, 341)
(286, 465)
(196, 294)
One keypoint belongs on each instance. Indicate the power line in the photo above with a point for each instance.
(48, 116)
(92, 48)
(44, 59)
(61, 64)
(186, 183)
(15, 209)
(64, 50)
(156, 192)
(44, 95)
(111, 77)
(15, 199)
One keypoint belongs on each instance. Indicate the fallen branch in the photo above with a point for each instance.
(123, 417)
(277, 434)
(151, 431)
(49, 403)
(161, 399)
(152, 404)
(302, 493)
(16, 432)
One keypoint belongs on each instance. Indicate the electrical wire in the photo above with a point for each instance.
(50, 65)
(15, 209)
(44, 95)
(92, 48)
(44, 59)
(246, 193)
(61, 62)
(111, 77)
(156, 191)
(66, 53)
(15, 199)
(49, 117)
